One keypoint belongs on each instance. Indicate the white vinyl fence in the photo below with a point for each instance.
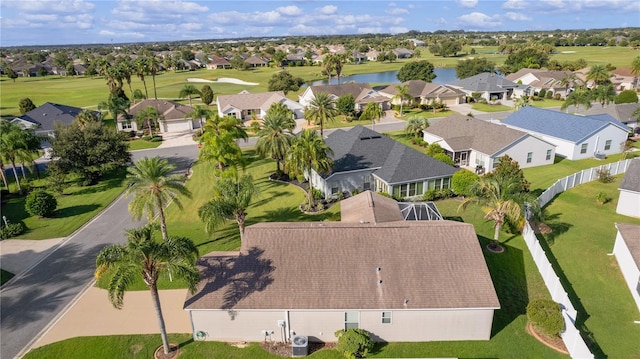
(571, 335)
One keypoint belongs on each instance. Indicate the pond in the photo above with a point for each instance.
(443, 76)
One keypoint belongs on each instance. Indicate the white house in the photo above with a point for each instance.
(629, 199)
(576, 137)
(540, 79)
(174, 117)
(627, 252)
(245, 105)
(479, 144)
(425, 93)
(400, 280)
(361, 92)
(490, 87)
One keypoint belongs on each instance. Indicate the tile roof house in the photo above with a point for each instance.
(479, 144)
(627, 251)
(622, 79)
(218, 62)
(424, 93)
(245, 105)
(491, 87)
(361, 92)
(399, 280)
(575, 136)
(540, 79)
(622, 112)
(364, 159)
(629, 198)
(44, 118)
(174, 117)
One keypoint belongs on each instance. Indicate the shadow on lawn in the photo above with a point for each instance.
(74, 210)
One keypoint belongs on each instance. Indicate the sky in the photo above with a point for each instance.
(62, 22)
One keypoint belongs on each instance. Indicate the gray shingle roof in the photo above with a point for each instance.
(168, 109)
(631, 179)
(485, 82)
(631, 235)
(342, 89)
(562, 125)
(250, 101)
(49, 113)
(621, 112)
(362, 148)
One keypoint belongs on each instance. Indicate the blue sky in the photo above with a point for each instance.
(49, 22)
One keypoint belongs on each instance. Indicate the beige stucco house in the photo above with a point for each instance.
(174, 117)
(400, 280)
(362, 93)
(425, 93)
(246, 106)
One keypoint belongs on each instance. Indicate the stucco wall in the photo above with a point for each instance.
(628, 267)
(347, 181)
(629, 203)
(539, 149)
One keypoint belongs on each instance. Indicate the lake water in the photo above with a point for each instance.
(443, 76)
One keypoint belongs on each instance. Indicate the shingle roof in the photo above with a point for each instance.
(369, 207)
(49, 113)
(342, 89)
(168, 109)
(545, 78)
(250, 101)
(631, 179)
(333, 265)
(462, 133)
(621, 112)
(362, 148)
(562, 125)
(420, 88)
(631, 235)
(485, 82)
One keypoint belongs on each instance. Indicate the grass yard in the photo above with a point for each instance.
(490, 108)
(410, 112)
(75, 207)
(141, 144)
(583, 235)
(547, 103)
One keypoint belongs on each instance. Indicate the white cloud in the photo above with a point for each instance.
(513, 16)
(291, 10)
(235, 17)
(35, 6)
(369, 30)
(479, 20)
(161, 6)
(468, 3)
(396, 11)
(398, 29)
(328, 9)
(514, 4)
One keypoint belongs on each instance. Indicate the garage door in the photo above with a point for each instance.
(176, 126)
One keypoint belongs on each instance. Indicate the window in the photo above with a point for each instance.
(548, 155)
(446, 182)
(386, 317)
(351, 320)
(607, 145)
(366, 182)
(335, 188)
(583, 148)
(529, 157)
(126, 125)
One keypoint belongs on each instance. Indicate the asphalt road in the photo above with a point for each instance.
(34, 299)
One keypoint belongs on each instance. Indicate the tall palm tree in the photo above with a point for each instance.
(231, 198)
(577, 98)
(499, 199)
(416, 125)
(14, 145)
(201, 112)
(217, 126)
(327, 65)
(2, 174)
(275, 136)
(142, 255)
(115, 106)
(187, 91)
(153, 188)
(402, 95)
(150, 115)
(219, 141)
(598, 74)
(153, 66)
(373, 112)
(321, 110)
(635, 69)
(309, 152)
(605, 94)
(86, 116)
(141, 69)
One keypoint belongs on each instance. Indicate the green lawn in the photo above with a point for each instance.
(547, 103)
(75, 207)
(490, 108)
(410, 112)
(142, 145)
(583, 235)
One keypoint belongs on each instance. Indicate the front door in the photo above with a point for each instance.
(463, 158)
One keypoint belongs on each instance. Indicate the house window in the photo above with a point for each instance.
(366, 183)
(126, 125)
(435, 184)
(335, 188)
(386, 317)
(607, 145)
(529, 157)
(351, 320)
(583, 148)
(548, 155)
(446, 182)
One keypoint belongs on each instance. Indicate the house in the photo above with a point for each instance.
(541, 79)
(174, 117)
(627, 251)
(490, 86)
(623, 79)
(480, 144)
(43, 119)
(629, 199)
(622, 112)
(576, 137)
(255, 61)
(402, 53)
(218, 62)
(425, 93)
(361, 92)
(363, 159)
(400, 280)
(416, 42)
(246, 106)
(372, 55)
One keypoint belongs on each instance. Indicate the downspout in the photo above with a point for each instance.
(287, 335)
(595, 150)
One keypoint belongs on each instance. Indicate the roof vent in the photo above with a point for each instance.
(379, 281)
(406, 301)
(378, 269)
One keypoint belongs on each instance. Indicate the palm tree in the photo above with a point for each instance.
(14, 145)
(115, 106)
(402, 95)
(231, 199)
(416, 126)
(569, 81)
(201, 112)
(149, 115)
(187, 91)
(153, 188)
(142, 255)
(327, 65)
(598, 74)
(153, 66)
(86, 116)
(577, 98)
(309, 152)
(373, 112)
(141, 69)
(275, 136)
(321, 110)
(521, 102)
(635, 69)
(605, 94)
(499, 200)
(218, 126)
(219, 141)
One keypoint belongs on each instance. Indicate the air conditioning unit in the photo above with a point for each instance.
(300, 346)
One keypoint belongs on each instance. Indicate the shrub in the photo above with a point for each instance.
(57, 178)
(546, 315)
(602, 197)
(557, 96)
(433, 149)
(146, 138)
(156, 139)
(604, 175)
(626, 96)
(542, 93)
(40, 203)
(483, 101)
(443, 157)
(12, 230)
(355, 191)
(317, 194)
(437, 194)
(549, 95)
(354, 343)
(462, 180)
